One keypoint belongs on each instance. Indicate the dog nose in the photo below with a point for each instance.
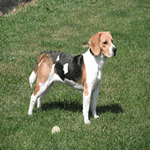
(114, 50)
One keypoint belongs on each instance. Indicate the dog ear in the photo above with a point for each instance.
(95, 43)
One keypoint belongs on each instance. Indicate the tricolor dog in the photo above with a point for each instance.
(83, 72)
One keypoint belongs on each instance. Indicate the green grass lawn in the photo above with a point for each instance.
(65, 25)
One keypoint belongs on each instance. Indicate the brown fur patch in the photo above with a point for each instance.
(39, 60)
(83, 80)
(86, 89)
(43, 72)
(105, 37)
(55, 71)
(97, 43)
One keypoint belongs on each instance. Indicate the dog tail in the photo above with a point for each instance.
(32, 78)
(34, 73)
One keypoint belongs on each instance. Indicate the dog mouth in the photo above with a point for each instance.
(114, 50)
(114, 53)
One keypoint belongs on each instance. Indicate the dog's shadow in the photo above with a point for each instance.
(70, 106)
(74, 107)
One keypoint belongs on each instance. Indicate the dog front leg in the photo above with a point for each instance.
(94, 97)
(86, 104)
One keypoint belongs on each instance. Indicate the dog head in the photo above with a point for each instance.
(102, 43)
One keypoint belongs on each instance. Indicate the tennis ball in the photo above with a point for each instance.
(55, 129)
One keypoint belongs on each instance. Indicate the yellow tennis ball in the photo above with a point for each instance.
(55, 129)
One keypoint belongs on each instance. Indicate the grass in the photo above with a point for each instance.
(124, 97)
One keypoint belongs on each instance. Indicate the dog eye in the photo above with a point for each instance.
(105, 43)
(112, 41)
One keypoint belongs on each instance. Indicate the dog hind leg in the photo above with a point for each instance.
(39, 101)
(40, 91)
(32, 103)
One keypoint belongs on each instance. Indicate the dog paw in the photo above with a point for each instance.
(87, 122)
(96, 116)
(29, 113)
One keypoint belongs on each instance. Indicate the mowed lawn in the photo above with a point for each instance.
(65, 25)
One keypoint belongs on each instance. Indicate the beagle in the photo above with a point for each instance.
(83, 72)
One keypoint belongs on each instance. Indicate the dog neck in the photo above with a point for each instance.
(100, 59)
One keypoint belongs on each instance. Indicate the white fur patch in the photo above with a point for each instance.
(57, 58)
(73, 84)
(111, 50)
(65, 68)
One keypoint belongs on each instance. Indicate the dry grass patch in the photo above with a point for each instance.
(13, 6)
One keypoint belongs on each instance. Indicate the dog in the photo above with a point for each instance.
(83, 72)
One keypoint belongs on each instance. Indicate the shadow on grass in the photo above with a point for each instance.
(73, 106)
(70, 106)
(8, 5)
(114, 108)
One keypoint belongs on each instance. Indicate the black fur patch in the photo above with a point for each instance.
(74, 65)
(59, 70)
(75, 68)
